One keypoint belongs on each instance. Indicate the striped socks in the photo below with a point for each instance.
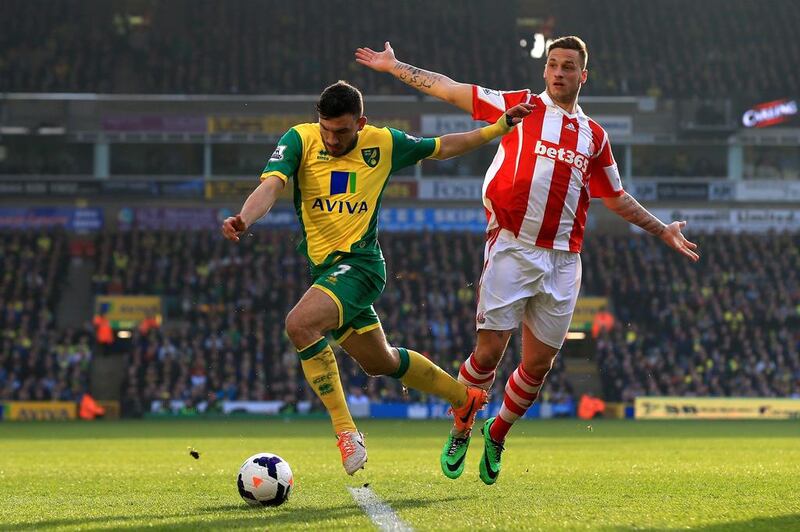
(473, 374)
(522, 390)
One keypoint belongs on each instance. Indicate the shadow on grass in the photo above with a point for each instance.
(240, 516)
(780, 522)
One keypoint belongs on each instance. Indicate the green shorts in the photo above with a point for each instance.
(354, 284)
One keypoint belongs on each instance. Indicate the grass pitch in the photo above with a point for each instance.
(556, 475)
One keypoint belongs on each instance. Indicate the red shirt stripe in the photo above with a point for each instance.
(562, 176)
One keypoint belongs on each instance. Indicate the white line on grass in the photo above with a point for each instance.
(381, 513)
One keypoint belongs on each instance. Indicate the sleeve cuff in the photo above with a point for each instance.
(436, 148)
(280, 175)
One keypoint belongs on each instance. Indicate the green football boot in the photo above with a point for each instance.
(455, 450)
(492, 451)
(453, 455)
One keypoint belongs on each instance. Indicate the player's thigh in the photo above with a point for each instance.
(371, 350)
(549, 314)
(316, 310)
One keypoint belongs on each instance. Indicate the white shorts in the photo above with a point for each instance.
(535, 286)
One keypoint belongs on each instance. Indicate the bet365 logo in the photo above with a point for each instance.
(578, 160)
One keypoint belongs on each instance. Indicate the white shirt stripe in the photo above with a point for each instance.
(542, 178)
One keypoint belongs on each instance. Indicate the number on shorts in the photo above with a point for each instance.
(343, 268)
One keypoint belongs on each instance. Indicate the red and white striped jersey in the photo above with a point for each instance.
(545, 172)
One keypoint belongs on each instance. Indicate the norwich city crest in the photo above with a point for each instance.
(371, 156)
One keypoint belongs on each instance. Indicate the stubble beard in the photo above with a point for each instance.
(567, 99)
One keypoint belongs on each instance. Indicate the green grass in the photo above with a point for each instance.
(556, 475)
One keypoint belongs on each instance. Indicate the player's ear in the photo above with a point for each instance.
(362, 122)
(584, 76)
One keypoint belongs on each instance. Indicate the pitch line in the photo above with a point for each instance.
(378, 511)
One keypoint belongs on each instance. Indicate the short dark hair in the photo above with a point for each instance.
(339, 99)
(572, 42)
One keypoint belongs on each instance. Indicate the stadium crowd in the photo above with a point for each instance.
(38, 361)
(232, 301)
(202, 46)
(728, 326)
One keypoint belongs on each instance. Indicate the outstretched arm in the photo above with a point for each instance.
(431, 83)
(456, 144)
(255, 206)
(631, 210)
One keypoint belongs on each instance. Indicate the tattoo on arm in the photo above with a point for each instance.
(632, 211)
(416, 77)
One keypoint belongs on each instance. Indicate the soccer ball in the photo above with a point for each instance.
(265, 479)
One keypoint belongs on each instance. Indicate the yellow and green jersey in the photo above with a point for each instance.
(337, 199)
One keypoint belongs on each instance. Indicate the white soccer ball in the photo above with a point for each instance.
(265, 479)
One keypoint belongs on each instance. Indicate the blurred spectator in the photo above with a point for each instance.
(103, 334)
(603, 321)
(148, 324)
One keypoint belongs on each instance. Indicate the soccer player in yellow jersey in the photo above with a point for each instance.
(340, 167)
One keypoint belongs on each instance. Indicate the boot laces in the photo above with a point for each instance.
(455, 443)
(346, 445)
(498, 448)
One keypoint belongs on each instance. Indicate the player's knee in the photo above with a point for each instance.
(291, 325)
(539, 367)
(297, 330)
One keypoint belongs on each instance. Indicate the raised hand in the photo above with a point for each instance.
(380, 61)
(518, 112)
(233, 226)
(672, 236)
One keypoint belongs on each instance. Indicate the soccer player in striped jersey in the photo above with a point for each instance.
(536, 193)
(341, 166)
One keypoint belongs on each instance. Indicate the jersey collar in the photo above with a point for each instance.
(550, 103)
